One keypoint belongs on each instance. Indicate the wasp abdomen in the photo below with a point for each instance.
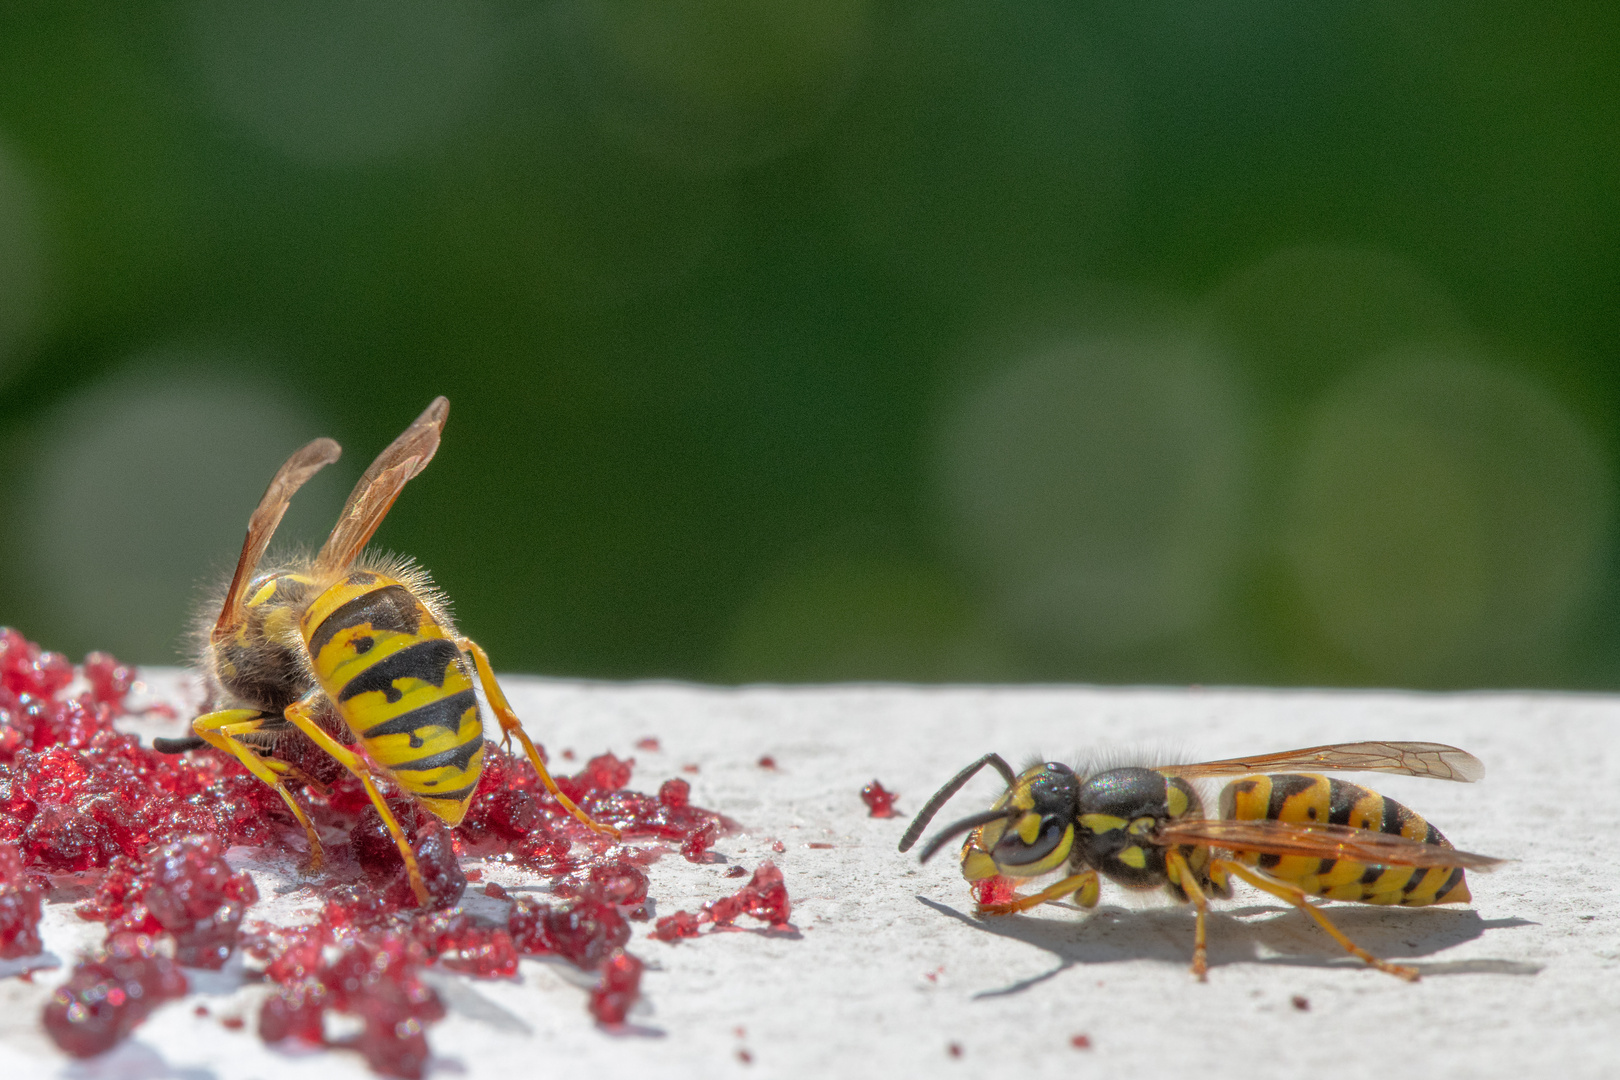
(403, 686)
(1303, 798)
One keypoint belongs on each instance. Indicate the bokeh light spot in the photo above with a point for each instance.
(715, 84)
(138, 492)
(341, 82)
(1097, 485)
(1448, 519)
(1303, 317)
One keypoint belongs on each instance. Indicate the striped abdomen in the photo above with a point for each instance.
(401, 685)
(1304, 798)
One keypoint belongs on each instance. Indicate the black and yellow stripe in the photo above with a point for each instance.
(401, 685)
(1305, 798)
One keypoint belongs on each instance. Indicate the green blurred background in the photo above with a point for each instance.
(1256, 342)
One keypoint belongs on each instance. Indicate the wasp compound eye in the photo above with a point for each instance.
(1013, 850)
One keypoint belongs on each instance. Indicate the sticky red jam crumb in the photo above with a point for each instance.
(649, 743)
(767, 762)
(108, 994)
(617, 989)
(1080, 1042)
(993, 890)
(183, 888)
(879, 801)
(583, 932)
(765, 897)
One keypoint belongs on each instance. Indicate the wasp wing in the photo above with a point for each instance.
(372, 497)
(1320, 841)
(1435, 760)
(262, 525)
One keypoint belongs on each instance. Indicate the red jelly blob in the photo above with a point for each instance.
(682, 924)
(617, 989)
(993, 890)
(765, 897)
(695, 848)
(465, 945)
(185, 888)
(583, 932)
(20, 896)
(879, 802)
(371, 974)
(602, 773)
(106, 996)
(109, 680)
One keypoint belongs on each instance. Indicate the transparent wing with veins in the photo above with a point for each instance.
(375, 493)
(1435, 760)
(262, 525)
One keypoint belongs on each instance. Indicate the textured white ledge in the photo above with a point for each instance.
(890, 969)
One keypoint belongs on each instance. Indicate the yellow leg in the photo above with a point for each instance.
(1300, 899)
(220, 730)
(1181, 874)
(512, 726)
(301, 713)
(1084, 884)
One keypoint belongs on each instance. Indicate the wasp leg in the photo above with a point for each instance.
(1181, 874)
(512, 726)
(302, 714)
(1085, 887)
(1301, 899)
(221, 730)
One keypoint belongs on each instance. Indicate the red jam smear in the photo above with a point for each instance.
(77, 795)
(765, 898)
(879, 801)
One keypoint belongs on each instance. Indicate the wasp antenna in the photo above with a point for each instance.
(957, 828)
(943, 795)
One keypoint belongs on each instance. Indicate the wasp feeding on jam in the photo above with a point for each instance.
(1297, 836)
(345, 649)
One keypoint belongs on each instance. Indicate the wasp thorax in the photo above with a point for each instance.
(260, 662)
(1120, 812)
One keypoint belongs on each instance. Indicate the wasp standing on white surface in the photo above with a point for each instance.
(1293, 835)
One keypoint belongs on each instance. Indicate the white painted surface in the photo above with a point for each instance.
(889, 967)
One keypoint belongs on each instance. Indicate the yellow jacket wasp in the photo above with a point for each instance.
(1295, 836)
(347, 650)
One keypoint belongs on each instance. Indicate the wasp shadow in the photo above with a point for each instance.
(1260, 934)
